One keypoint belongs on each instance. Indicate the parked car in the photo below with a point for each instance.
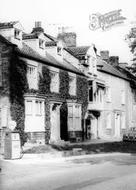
(130, 135)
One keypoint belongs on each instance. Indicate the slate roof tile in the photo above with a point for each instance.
(103, 66)
(49, 59)
(78, 51)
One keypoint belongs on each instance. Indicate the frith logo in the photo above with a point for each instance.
(106, 21)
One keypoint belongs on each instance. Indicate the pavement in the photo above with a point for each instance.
(61, 156)
(48, 158)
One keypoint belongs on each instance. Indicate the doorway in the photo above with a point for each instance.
(117, 125)
(64, 122)
(88, 128)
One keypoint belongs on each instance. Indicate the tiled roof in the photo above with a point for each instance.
(103, 66)
(7, 24)
(34, 35)
(50, 37)
(28, 52)
(65, 65)
(50, 43)
(2, 39)
(30, 36)
(78, 51)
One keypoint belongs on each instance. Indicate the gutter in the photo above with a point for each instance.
(48, 63)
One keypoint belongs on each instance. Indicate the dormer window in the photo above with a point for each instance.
(59, 51)
(41, 43)
(17, 34)
(87, 60)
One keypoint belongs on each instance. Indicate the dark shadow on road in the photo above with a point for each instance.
(116, 160)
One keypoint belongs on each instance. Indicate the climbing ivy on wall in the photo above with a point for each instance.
(18, 86)
(64, 84)
(82, 87)
(44, 81)
(82, 93)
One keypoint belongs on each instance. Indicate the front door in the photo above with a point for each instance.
(64, 122)
(94, 128)
(88, 128)
(55, 122)
(117, 125)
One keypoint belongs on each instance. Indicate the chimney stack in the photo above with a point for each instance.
(114, 60)
(104, 55)
(38, 27)
(37, 24)
(67, 36)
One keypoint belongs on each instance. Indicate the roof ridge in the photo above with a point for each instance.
(122, 75)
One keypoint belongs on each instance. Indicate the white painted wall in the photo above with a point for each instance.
(9, 34)
(115, 106)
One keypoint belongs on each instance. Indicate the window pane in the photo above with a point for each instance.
(70, 111)
(70, 123)
(38, 107)
(54, 87)
(77, 123)
(28, 107)
(32, 76)
(72, 85)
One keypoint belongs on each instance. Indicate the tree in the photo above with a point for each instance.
(131, 40)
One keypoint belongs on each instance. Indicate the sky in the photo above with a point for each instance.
(75, 14)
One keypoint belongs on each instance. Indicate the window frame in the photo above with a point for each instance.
(55, 81)
(32, 76)
(41, 43)
(59, 50)
(34, 111)
(38, 105)
(26, 107)
(108, 94)
(72, 85)
(74, 117)
(17, 34)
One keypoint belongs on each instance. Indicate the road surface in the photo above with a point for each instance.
(117, 172)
